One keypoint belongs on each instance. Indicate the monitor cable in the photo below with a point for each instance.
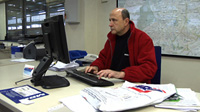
(31, 77)
(22, 80)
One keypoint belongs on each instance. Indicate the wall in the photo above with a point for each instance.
(75, 32)
(183, 72)
(3, 21)
(91, 33)
(103, 28)
(90, 21)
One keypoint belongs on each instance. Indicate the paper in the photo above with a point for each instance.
(21, 93)
(77, 104)
(28, 70)
(26, 101)
(129, 96)
(189, 101)
(56, 108)
(59, 66)
(22, 60)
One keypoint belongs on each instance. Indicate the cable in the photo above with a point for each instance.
(42, 71)
(22, 80)
(50, 66)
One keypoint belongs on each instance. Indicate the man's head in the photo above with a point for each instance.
(119, 21)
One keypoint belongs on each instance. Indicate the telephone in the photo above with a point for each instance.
(89, 58)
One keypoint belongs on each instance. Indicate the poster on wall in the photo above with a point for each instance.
(172, 24)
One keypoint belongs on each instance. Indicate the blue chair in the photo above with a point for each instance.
(156, 79)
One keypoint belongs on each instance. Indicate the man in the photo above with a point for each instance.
(128, 53)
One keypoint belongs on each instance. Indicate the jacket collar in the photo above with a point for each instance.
(113, 36)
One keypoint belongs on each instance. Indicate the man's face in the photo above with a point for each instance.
(117, 24)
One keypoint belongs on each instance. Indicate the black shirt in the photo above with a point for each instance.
(120, 58)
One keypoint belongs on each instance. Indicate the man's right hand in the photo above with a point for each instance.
(91, 69)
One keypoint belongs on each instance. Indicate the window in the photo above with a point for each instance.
(24, 17)
(14, 18)
(35, 11)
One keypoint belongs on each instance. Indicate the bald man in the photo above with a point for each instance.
(128, 53)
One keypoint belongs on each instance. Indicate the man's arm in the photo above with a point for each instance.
(145, 66)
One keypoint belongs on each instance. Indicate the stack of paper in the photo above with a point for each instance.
(59, 66)
(189, 101)
(129, 96)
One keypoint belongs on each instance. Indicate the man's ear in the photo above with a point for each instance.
(126, 21)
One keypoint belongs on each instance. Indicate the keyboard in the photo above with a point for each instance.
(89, 78)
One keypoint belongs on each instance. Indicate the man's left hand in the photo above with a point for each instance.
(111, 74)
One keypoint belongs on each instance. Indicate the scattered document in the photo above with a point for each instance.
(189, 101)
(59, 66)
(77, 104)
(22, 60)
(129, 96)
(23, 94)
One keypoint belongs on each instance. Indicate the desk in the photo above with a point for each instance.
(5, 53)
(9, 73)
(5, 62)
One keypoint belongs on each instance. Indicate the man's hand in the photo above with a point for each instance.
(111, 74)
(91, 69)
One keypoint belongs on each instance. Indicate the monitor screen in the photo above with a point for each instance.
(55, 43)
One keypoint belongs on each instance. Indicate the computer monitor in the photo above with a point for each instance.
(55, 43)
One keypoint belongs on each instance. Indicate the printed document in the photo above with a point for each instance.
(22, 93)
(60, 66)
(189, 101)
(77, 104)
(128, 96)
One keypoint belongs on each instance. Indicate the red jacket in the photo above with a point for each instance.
(143, 64)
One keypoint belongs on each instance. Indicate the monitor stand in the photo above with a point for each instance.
(54, 81)
(47, 82)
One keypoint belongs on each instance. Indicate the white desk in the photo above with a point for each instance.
(10, 73)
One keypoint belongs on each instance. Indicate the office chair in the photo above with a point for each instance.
(157, 77)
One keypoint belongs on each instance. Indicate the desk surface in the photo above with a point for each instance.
(12, 72)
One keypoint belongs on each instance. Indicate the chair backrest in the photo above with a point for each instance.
(157, 77)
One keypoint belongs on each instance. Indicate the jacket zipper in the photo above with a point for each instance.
(110, 49)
